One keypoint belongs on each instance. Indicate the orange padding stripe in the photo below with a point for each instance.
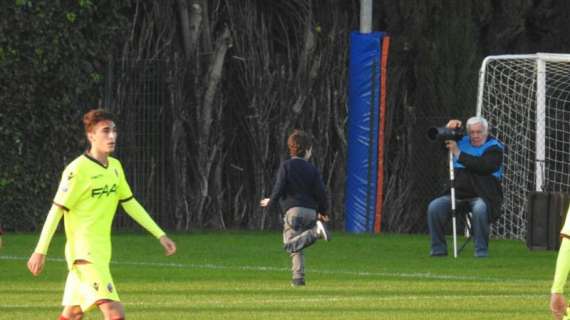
(382, 128)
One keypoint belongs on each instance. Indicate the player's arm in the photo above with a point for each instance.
(321, 197)
(557, 302)
(37, 260)
(562, 267)
(278, 188)
(134, 209)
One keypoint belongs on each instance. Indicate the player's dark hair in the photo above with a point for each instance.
(92, 117)
(298, 143)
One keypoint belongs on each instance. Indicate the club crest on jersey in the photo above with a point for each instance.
(96, 286)
(106, 190)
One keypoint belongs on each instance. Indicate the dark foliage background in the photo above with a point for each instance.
(52, 57)
(207, 91)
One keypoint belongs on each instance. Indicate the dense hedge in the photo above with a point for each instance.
(52, 58)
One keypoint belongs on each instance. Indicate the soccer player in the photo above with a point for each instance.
(301, 192)
(91, 187)
(558, 304)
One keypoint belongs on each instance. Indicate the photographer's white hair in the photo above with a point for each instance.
(475, 120)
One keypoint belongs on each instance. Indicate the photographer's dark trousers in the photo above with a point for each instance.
(299, 232)
(439, 213)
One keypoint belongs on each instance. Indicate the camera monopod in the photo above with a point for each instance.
(453, 213)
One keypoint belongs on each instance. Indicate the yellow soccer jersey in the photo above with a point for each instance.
(565, 232)
(90, 193)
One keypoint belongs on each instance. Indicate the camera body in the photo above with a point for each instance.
(444, 133)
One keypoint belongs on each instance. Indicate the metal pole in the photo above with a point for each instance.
(540, 142)
(453, 215)
(365, 16)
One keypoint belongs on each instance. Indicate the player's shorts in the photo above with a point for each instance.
(88, 283)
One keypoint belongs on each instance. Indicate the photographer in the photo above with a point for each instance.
(477, 164)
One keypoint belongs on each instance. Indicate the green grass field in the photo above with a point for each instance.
(245, 275)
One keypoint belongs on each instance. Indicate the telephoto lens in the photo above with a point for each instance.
(444, 133)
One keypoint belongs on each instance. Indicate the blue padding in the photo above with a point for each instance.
(363, 94)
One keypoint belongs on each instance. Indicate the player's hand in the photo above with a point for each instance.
(36, 263)
(558, 306)
(453, 124)
(168, 245)
(264, 202)
(323, 217)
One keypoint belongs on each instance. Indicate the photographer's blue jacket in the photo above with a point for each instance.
(478, 173)
(465, 146)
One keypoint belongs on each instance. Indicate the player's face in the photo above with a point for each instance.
(103, 136)
(477, 135)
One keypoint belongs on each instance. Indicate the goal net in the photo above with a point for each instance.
(526, 99)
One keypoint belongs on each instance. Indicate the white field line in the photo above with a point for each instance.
(405, 297)
(421, 275)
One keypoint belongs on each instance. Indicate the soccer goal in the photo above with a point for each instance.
(526, 99)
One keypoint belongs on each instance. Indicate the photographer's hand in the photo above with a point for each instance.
(453, 124)
(451, 145)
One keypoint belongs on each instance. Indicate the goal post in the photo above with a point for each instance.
(526, 99)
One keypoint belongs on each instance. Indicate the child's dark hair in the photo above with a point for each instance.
(299, 143)
(91, 118)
